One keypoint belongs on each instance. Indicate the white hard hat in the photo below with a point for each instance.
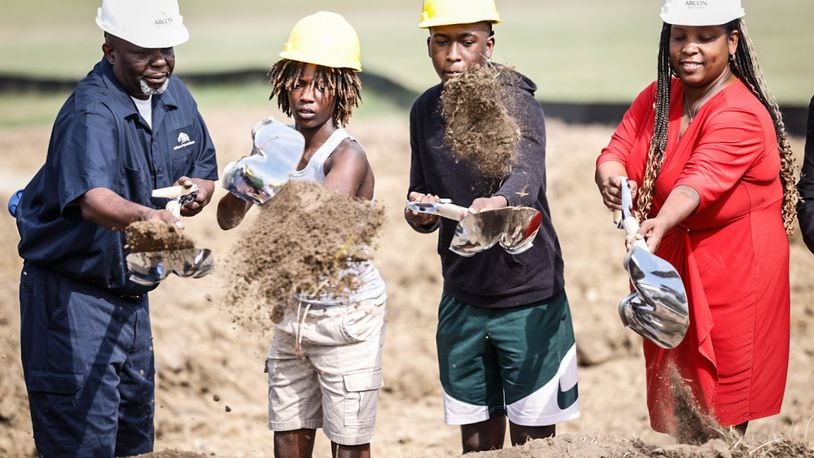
(701, 12)
(147, 23)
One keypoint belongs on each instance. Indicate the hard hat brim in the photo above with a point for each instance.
(156, 40)
(325, 61)
(699, 20)
(426, 24)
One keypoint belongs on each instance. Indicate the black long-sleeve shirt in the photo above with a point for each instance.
(805, 208)
(493, 278)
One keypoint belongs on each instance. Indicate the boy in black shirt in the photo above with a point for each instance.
(505, 339)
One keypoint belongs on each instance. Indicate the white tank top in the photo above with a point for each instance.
(314, 170)
(370, 283)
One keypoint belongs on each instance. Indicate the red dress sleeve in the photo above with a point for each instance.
(731, 141)
(637, 117)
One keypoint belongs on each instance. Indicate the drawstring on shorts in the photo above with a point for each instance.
(298, 330)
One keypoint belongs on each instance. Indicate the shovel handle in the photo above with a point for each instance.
(452, 211)
(443, 208)
(170, 192)
(174, 207)
(631, 226)
(628, 221)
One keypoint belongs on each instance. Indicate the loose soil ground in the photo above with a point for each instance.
(211, 389)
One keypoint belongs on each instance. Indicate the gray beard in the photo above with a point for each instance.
(150, 91)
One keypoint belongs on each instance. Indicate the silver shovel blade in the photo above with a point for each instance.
(514, 228)
(652, 320)
(276, 151)
(662, 312)
(522, 226)
(149, 268)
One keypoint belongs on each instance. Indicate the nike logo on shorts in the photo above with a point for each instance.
(566, 399)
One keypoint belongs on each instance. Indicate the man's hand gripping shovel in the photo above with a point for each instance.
(150, 267)
(514, 228)
(658, 308)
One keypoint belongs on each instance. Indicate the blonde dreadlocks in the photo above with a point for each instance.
(343, 83)
(745, 66)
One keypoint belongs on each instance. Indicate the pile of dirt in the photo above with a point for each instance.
(581, 445)
(144, 236)
(479, 127)
(299, 244)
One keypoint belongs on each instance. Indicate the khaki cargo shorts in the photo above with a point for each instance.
(333, 381)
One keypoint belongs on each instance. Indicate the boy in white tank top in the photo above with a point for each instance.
(333, 380)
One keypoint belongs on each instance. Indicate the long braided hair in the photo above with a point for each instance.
(343, 83)
(745, 66)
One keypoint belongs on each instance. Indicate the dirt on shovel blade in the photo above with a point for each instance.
(480, 129)
(144, 236)
(299, 244)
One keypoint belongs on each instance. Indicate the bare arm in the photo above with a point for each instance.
(106, 208)
(347, 171)
(681, 203)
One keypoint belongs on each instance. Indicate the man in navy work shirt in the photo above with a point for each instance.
(129, 127)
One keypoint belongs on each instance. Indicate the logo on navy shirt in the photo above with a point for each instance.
(183, 141)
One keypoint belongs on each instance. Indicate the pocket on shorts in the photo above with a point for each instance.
(359, 323)
(64, 383)
(361, 397)
(50, 391)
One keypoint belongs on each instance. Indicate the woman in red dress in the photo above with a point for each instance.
(716, 194)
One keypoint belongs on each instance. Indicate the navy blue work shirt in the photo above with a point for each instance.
(99, 140)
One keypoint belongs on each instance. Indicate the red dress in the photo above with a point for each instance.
(732, 253)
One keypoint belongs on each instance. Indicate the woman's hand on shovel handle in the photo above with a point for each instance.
(421, 222)
(607, 178)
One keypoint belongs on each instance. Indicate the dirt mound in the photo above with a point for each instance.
(479, 127)
(300, 243)
(582, 445)
(144, 236)
(201, 353)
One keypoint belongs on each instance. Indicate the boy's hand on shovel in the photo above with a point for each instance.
(488, 203)
(417, 218)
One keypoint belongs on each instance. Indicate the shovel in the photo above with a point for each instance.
(276, 151)
(514, 228)
(149, 268)
(658, 308)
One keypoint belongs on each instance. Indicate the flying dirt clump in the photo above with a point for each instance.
(144, 236)
(479, 127)
(301, 243)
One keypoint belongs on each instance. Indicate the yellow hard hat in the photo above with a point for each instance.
(325, 39)
(436, 13)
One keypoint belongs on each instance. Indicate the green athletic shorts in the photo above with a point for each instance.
(518, 361)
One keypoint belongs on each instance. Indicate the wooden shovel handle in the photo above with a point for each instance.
(452, 211)
(170, 192)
